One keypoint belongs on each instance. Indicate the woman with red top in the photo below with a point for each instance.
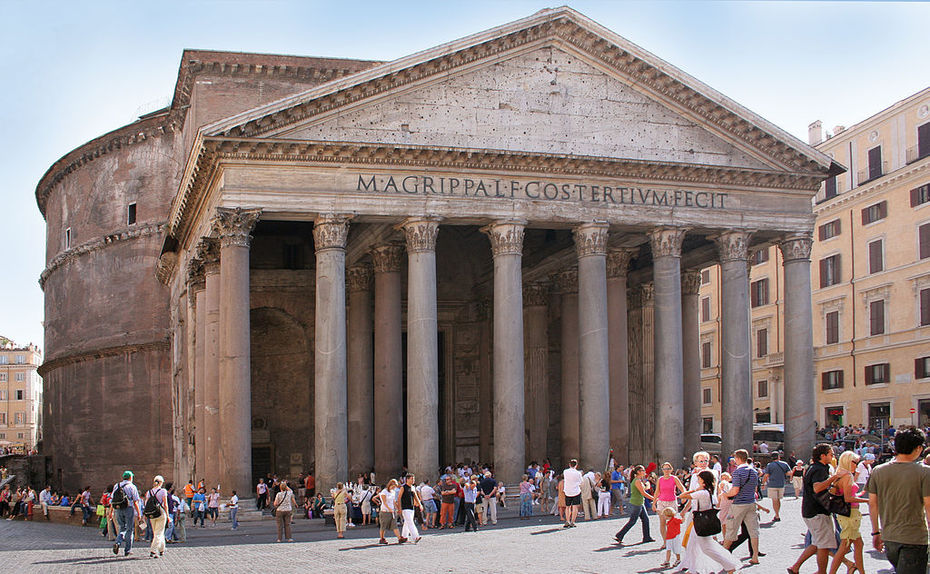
(849, 525)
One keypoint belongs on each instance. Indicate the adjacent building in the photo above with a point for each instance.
(20, 396)
(870, 279)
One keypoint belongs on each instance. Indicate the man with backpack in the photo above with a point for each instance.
(156, 510)
(124, 500)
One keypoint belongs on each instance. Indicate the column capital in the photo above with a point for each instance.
(358, 277)
(233, 226)
(733, 245)
(208, 251)
(618, 260)
(796, 247)
(690, 282)
(196, 280)
(590, 239)
(535, 295)
(330, 232)
(566, 281)
(506, 237)
(421, 233)
(387, 257)
(647, 292)
(666, 241)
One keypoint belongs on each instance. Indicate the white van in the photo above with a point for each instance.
(773, 434)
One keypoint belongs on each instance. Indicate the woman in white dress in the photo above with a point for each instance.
(704, 555)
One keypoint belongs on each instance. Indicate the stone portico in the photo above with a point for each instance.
(487, 251)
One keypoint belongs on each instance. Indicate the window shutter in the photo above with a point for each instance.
(875, 257)
(924, 236)
(868, 375)
(865, 216)
(883, 210)
(823, 273)
(925, 307)
(915, 196)
(839, 379)
(923, 140)
(823, 380)
(836, 226)
(822, 230)
(837, 273)
(918, 368)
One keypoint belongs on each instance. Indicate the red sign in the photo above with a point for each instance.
(913, 410)
(836, 412)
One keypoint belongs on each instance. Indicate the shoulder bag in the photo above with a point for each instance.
(706, 522)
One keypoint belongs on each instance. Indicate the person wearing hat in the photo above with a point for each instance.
(797, 478)
(864, 471)
(126, 512)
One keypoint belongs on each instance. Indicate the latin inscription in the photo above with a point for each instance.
(539, 190)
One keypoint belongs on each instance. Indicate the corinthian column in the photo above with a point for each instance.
(594, 388)
(799, 346)
(389, 366)
(359, 363)
(567, 285)
(208, 251)
(329, 375)
(233, 226)
(509, 425)
(691, 360)
(422, 346)
(536, 368)
(196, 285)
(735, 359)
(618, 261)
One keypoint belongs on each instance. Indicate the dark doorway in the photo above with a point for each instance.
(262, 461)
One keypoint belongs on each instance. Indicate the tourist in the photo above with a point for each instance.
(283, 509)
(672, 537)
(213, 505)
(406, 502)
(616, 488)
(572, 478)
(387, 514)
(743, 504)
(447, 506)
(773, 480)
(180, 517)
(849, 525)
(189, 492)
(199, 506)
(471, 495)
(427, 495)
(107, 524)
(603, 496)
(560, 504)
(723, 502)
(526, 498)
(668, 487)
(864, 471)
(340, 511)
(5, 497)
(638, 496)
(125, 503)
(546, 489)
(797, 478)
(588, 495)
(704, 555)
(159, 521)
(261, 494)
(87, 509)
(233, 507)
(823, 539)
(172, 510)
(45, 500)
(899, 504)
(490, 489)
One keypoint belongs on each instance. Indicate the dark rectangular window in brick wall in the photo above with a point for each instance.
(877, 317)
(832, 320)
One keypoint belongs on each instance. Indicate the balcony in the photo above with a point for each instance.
(914, 153)
(775, 360)
(864, 176)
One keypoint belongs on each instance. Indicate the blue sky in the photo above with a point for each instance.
(72, 71)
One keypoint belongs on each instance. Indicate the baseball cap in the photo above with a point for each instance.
(869, 456)
(127, 474)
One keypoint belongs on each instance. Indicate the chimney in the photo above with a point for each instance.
(815, 133)
(838, 130)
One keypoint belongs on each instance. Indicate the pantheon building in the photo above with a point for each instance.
(489, 251)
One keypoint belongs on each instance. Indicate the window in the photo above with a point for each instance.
(877, 317)
(763, 389)
(762, 343)
(875, 162)
(760, 256)
(2, 421)
(20, 377)
(829, 189)
(925, 307)
(131, 214)
(19, 418)
(707, 424)
(705, 277)
(831, 380)
(705, 355)
(706, 396)
(923, 240)
(876, 256)
(20, 359)
(920, 195)
(68, 238)
(923, 140)
(759, 293)
(828, 230)
(4, 359)
(20, 394)
(2, 377)
(877, 374)
(830, 270)
(705, 309)
(922, 368)
(832, 321)
(2, 395)
(19, 435)
(875, 212)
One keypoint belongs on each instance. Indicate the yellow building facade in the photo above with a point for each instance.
(20, 396)
(870, 283)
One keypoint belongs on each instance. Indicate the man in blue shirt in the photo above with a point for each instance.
(126, 511)
(616, 488)
(776, 474)
(743, 508)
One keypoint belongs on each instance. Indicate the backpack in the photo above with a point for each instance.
(119, 499)
(152, 508)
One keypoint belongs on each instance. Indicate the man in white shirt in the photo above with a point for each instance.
(572, 478)
(45, 499)
(864, 471)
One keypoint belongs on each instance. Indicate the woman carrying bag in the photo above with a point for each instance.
(704, 555)
(283, 509)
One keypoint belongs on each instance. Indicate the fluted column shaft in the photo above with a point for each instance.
(389, 366)
(618, 261)
(735, 359)
(691, 360)
(233, 227)
(799, 347)
(329, 383)
(536, 369)
(594, 373)
(209, 251)
(509, 424)
(422, 347)
(359, 378)
(567, 284)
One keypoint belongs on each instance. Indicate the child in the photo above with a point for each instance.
(672, 536)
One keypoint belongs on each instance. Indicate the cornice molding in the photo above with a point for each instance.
(58, 362)
(126, 234)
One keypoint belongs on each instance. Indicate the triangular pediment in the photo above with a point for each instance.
(555, 82)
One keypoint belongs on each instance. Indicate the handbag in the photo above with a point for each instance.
(833, 503)
(706, 522)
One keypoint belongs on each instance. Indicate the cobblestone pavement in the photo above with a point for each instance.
(512, 546)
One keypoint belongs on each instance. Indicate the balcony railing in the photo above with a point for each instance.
(914, 154)
(866, 175)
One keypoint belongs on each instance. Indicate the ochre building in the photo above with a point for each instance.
(20, 397)
(488, 250)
